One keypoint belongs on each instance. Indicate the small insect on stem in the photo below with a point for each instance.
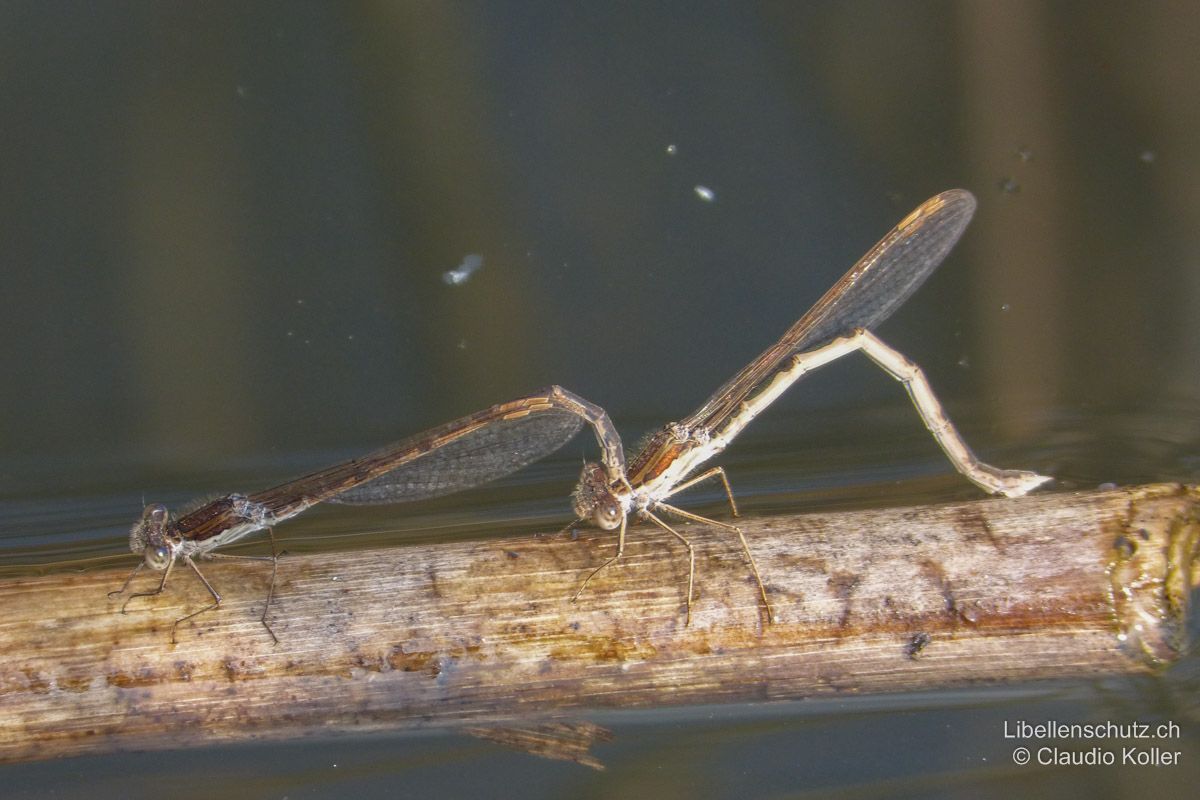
(839, 324)
(449, 458)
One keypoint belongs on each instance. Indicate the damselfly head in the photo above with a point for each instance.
(151, 537)
(593, 500)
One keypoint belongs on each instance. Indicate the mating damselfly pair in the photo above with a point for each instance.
(496, 441)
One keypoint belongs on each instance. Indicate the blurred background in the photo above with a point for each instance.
(225, 234)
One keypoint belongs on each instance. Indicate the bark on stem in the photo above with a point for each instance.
(893, 600)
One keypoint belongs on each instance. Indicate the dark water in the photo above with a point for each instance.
(224, 233)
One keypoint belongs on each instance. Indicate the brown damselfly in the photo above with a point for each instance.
(839, 324)
(449, 458)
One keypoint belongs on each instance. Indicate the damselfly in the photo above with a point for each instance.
(449, 458)
(839, 324)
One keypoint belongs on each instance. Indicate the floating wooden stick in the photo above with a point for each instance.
(469, 633)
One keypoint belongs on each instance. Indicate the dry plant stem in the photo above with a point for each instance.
(891, 600)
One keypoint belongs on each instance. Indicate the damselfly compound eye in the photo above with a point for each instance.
(607, 515)
(156, 514)
(158, 557)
